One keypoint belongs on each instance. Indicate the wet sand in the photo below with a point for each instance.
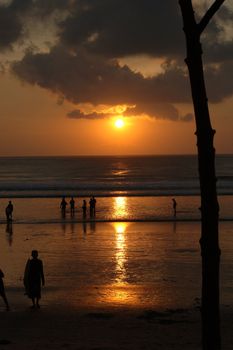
(111, 286)
(92, 329)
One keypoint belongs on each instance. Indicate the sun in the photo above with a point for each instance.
(119, 123)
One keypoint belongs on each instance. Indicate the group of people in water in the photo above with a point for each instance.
(92, 206)
(33, 279)
(63, 206)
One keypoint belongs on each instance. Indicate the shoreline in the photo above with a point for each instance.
(79, 221)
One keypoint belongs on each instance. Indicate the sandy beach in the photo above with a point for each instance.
(111, 286)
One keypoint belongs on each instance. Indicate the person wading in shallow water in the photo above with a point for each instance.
(33, 277)
(2, 291)
(72, 206)
(63, 205)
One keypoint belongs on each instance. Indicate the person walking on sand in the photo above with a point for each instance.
(33, 278)
(63, 206)
(72, 206)
(9, 211)
(2, 291)
(174, 204)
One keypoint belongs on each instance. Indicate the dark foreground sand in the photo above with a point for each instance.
(106, 329)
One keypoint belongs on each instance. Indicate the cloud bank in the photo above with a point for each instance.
(83, 64)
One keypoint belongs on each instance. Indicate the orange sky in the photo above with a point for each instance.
(34, 123)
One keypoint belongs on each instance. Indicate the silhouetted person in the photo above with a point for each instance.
(9, 211)
(33, 277)
(84, 208)
(72, 206)
(174, 204)
(92, 204)
(2, 291)
(63, 206)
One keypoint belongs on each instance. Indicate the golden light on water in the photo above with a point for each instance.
(121, 292)
(120, 207)
(120, 227)
(120, 256)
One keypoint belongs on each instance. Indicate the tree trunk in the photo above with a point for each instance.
(209, 203)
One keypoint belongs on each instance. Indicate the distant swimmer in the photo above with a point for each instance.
(2, 291)
(72, 206)
(9, 211)
(174, 206)
(63, 206)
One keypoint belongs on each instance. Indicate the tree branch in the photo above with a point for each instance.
(209, 14)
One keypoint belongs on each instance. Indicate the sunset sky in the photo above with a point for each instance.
(70, 68)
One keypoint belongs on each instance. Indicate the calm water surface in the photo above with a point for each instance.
(121, 264)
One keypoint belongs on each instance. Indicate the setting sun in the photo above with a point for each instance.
(119, 123)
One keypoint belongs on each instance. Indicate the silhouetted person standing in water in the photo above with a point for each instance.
(72, 206)
(174, 206)
(2, 291)
(33, 277)
(92, 204)
(9, 211)
(84, 208)
(63, 206)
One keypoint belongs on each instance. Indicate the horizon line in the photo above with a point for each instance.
(110, 155)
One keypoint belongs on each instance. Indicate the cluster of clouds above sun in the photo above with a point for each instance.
(85, 42)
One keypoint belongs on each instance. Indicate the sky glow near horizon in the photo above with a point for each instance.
(67, 72)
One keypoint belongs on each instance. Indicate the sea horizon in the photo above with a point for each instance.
(111, 155)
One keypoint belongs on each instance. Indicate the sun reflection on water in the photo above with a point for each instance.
(120, 229)
(120, 207)
(121, 292)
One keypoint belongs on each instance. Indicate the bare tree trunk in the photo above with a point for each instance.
(206, 162)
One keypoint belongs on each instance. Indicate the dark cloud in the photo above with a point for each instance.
(83, 65)
(219, 81)
(154, 110)
(10, 27)
(117, 28)
(77, 114)
(39, 7)
(13, 15)
(84, 78)
(158, 111)
(81, 77)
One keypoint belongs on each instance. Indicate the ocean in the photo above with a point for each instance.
(108, 176)
(127, 188)
(133, 253)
